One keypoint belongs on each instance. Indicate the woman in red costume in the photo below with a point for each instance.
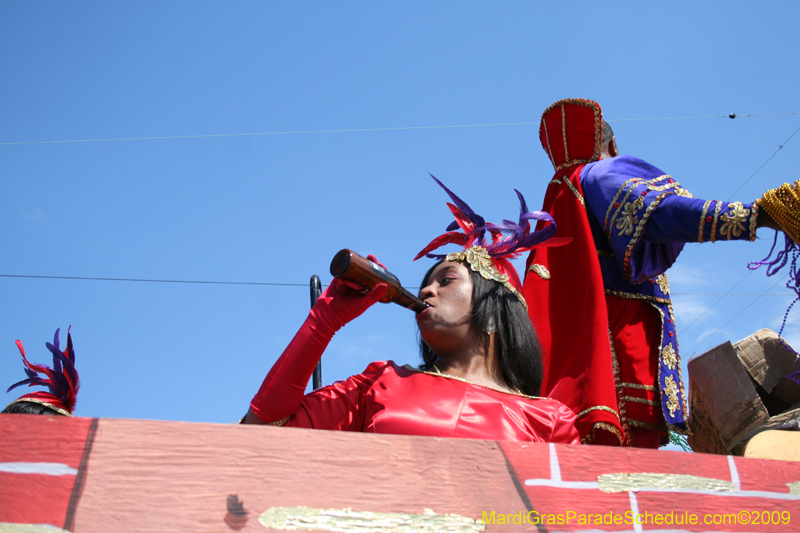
(481, 370)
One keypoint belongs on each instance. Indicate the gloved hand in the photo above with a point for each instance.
(340, 304)
(281, 392)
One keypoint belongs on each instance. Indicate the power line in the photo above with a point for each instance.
(358, 130)
(745, 308)
(780, 147)
(158, 280)
(306, 284)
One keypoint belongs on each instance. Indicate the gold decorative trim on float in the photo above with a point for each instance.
(643, 481)
(310, 519)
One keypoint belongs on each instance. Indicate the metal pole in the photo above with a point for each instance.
(316, 290)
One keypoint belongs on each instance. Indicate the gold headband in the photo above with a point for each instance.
(481, 262)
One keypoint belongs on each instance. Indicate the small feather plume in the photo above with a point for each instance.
(61, 380)
(508, 240)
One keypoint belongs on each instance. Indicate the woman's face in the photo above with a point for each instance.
(445, 325)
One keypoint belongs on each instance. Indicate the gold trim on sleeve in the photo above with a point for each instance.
(703, 215)
(598, 408)
(717, 209)
(601, 425)
(733, 221)
(753, 221)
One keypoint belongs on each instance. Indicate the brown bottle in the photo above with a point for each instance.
(362, 274)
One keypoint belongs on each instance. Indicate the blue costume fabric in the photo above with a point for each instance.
(640, 219)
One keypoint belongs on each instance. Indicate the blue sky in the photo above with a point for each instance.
(276, 208)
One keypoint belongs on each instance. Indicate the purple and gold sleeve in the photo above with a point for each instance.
(647, 216)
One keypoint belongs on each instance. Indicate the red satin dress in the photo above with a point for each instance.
(387, 398)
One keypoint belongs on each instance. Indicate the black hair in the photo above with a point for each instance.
(518, 361)
(608, 133)
(29, 408)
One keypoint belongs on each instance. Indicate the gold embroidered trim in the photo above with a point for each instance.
(647, 425)
(575, 191)
(623, 407)
(651, 187)
(714, 224)
(439, 373)
(547, 138)
(669, 356)
(663, 283)
(598, 408)
(555, 181)
(703, 220)
(617, 204)
(480, 261)
(639, 232)
(598, 131)
(281, 422)
(40, 402)
(601, 425)
(671, 392)
(614, 201)
(638, 386)
(634, 296)
(605, 253)
(753, 221)
(733, 221)
(564, 131)
(682, 405)
(629, 218)
(642, 400)
(541, 270)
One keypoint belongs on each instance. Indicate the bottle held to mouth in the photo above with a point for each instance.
(362, 274)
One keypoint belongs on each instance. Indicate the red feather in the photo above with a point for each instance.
(445, 238)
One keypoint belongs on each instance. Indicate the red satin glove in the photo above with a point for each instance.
(282, 391)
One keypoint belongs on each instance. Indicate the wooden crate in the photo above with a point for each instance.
(725, 406)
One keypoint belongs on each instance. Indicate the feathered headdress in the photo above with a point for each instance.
(508, 240)
(61, 380)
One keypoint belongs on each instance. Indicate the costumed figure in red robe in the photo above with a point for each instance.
(481, 370)
(61, 381)
(601, 304)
